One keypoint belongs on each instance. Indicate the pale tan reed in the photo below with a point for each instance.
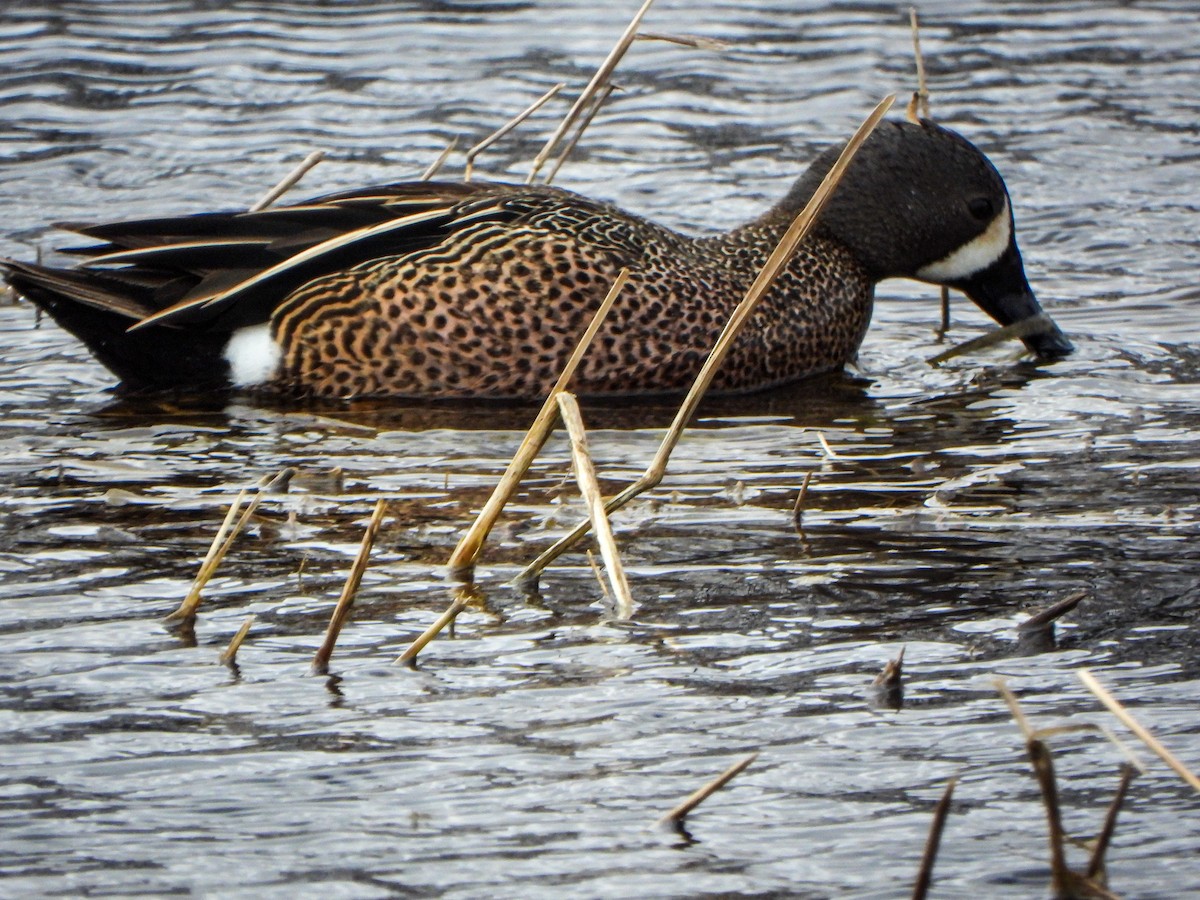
(289, 181)
(436, 165)
(775, 263)
(507, 127)
(602, 75)
(341, 612)
(462, 560)
(680, 812)
(585, 475)
(1143, 734)
(229, 657)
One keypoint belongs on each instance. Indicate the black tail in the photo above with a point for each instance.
(99, 311)
(185, 284)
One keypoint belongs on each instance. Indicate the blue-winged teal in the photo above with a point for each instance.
(480, 290)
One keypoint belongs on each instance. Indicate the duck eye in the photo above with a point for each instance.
(981, 208)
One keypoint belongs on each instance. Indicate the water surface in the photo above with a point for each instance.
(531, 754)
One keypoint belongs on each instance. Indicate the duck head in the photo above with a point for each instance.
(920, 201)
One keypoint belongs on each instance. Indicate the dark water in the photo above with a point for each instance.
(530, 755)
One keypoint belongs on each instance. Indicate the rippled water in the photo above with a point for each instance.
(531, 754)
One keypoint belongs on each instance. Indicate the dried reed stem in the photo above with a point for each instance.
(680, 812)
(892, 674)
(1014, 707)
(684, 40)
(801, 495)
(933, 841)
(505, 129)
(591, 558)
(585, 475)
(223, 541)
(1050, 614)
(601, 99)
(216, 552)
(223, 532)
(1025, 327)
(320, 663)
(775, 263)
(922, 95)
(462, 561)
(602, 75)
(1115, 707)
(1065, 883)
(229, 657)
(436, 165)
(289, 181)
(1061, 877)
(918, 108)
(944, 328)
(463, 596)
(825, 446)
(1095, 867)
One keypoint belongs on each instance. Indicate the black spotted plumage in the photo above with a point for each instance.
(481, 289)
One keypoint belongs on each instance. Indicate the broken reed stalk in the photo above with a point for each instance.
(216, 552)
(775, 263)
(463, 596)
(601, 99)
(220, 537)
(585, 475)
(591, 558)
(222, 542)
(801, 495)
(289, 181)
(229, 657)
(1025, 327)
(1115, 707)
(509, 126)
(944, 328)
(1051, 613)
(825, 448)
(1095, 867)
(1062, 879)
(933, 841)
(918, 108)
(320, 663)
(922, 95)
(602, 75)
(680, 812)
(462, 560)
(436, 165)
(684, 40)
(1066, 883)
(892, 674)
(1014, 707)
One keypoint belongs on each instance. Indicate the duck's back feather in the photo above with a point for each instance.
(223, 271)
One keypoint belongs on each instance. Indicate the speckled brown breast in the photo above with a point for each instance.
(493, 309)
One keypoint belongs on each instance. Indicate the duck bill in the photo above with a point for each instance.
(1002, 292)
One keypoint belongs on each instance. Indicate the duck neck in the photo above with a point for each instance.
(769, 228)
(785, 211)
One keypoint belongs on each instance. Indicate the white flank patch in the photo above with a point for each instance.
(253, 355)
(973, 256)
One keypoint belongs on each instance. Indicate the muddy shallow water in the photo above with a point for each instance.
(531, 754)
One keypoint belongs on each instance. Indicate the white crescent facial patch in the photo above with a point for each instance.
(253, 355)
(973, 256)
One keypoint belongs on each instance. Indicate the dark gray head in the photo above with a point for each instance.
(920, 201)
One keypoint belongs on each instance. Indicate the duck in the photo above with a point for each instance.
(443, 290)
